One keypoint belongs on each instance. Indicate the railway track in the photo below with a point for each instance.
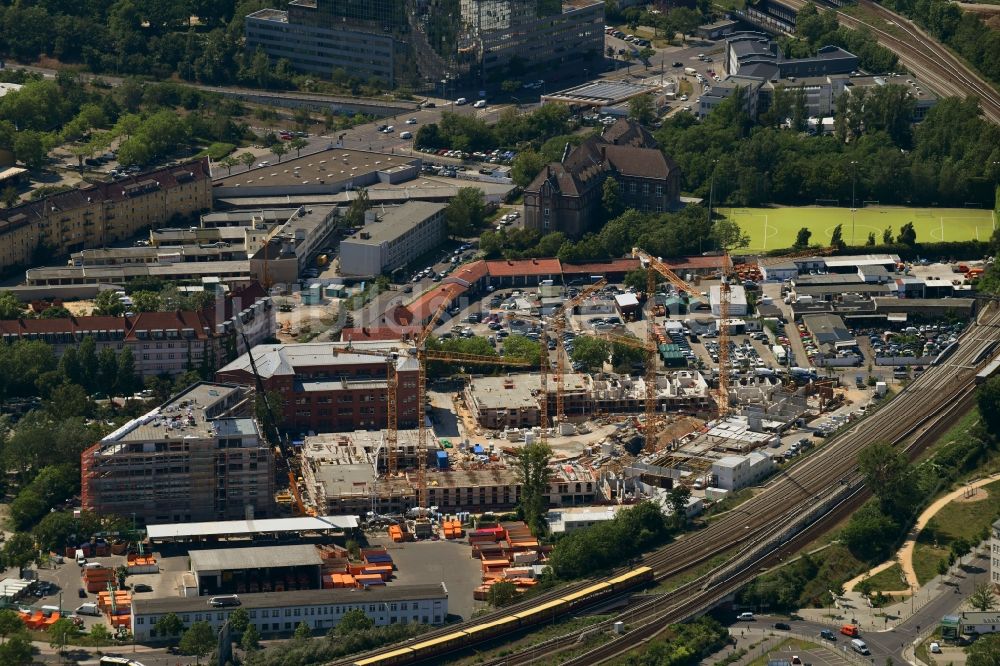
(923, 55)
(916, 413)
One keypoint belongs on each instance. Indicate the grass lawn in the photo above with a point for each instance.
(889, 580)
(959, 519)
(217, 151)
(776, 228)
(789, 644)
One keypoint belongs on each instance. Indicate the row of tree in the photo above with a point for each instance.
(468, 133)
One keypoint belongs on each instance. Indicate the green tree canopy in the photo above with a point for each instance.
(590, 351)
(198, 640)
(532, 470)
(465, 213)
(353, 621)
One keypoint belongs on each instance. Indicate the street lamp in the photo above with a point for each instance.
(854, 180)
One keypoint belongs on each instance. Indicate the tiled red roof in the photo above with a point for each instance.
(75, 325)
(380, 333)
(470, 273)
(694, 262)
(518, 267)
(602, 267)
(178, 320)
(427, 303)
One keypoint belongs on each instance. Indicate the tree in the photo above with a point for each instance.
(168, 625)
(198, 640)
(982, 598)
(871, 239)
(870, 535)
(278, 149)
(145, 301)
(510, 86)
(228, 162)
(628, 58)
(641, 109)
(99, 634)
(592, 352)
(679, 496)
(465, 213)
(519, 346)
(10, 306)
(637, 280)
(984, 652)
(250, 640)
(532, 471)
(889, 475)
(10, 196)
(728, 236)
(108, 303)
(942, 567)
(127, 378)
(501, 594)
(354, 621)
(29, 148)
(526, 165)
(907, 234)
(247, 159)
(17, 651)
(988, 400)
(61, 632)
(239, 620)
(10, 624)
(611, 199)
(802, 238)
(302, 632)
(837, 237)
(19, 550)
(297, 144)
(887, 236)
(55, 313)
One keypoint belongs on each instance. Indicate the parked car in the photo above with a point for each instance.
(782, 626)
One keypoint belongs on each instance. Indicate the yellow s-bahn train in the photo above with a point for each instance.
(478, 633)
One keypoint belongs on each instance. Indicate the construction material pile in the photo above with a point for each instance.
(509, 553)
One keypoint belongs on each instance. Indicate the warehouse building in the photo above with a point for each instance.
(199, 457)
(737, 300)
(280, 613)
(333, 386)
(238, 570)
(393, 239)
(329, 172)
(103, 213)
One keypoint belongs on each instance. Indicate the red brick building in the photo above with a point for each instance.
(330, 386)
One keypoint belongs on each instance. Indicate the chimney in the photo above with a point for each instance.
(604, 152)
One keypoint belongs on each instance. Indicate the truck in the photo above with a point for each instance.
(779, 353)
(690, 71)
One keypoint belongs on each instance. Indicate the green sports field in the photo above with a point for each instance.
(776, 228)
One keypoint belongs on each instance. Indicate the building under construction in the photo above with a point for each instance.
(197, 457)
(344, 474)
(512, 401)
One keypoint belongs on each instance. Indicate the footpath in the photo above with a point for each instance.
(905, 555)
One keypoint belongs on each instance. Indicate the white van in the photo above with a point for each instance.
(80, 559)
(460, 101)
(859, 646)
(224, 600)
(481, 104)
(89, 608)
(93, 565)
(406, 135)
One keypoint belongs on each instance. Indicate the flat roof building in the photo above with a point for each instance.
(570, 518)
(242, 569)
(396, 237)
(199, 457)
(274, 613)
(329, 172)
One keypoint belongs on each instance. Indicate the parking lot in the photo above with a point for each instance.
(450, 561)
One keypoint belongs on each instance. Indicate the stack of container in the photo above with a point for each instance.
(97, 579)
(364, 581)
(377, 556)
(452, 529)
(140, 564)
(338, 580)
(117, 606)
(398, 535)
(101, 548)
